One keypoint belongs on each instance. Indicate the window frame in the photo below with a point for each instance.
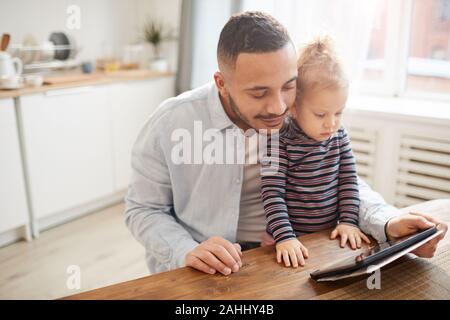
(396, 55)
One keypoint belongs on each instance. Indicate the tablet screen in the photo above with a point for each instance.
(372, 254)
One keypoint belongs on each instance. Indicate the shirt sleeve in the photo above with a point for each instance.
(149, 213)
(374, 212)
(348, 182)
(273, 189)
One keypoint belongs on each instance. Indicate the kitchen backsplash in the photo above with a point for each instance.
(105, 25)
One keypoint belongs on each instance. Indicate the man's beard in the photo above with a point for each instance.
(237, 112)
(244, 119)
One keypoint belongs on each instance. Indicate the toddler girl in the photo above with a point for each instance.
(315, 187)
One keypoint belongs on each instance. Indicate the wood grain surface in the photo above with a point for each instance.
(261, 277)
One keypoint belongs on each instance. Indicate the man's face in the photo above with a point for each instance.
(261, 88)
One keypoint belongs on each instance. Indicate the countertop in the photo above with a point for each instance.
(96, 78)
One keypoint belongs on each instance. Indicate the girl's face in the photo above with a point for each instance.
(319, 113)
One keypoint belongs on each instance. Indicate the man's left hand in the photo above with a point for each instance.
(413, 222)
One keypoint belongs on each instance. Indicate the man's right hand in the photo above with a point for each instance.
(215, 255)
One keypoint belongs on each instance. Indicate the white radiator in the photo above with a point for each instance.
(363, 142)
(423, 169)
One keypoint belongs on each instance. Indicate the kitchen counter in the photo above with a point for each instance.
(85, 122)
(96, 78)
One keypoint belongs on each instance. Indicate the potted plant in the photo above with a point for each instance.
(155, 33)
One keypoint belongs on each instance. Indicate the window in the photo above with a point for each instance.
(409, 52)
(376, 64)
(429, 51)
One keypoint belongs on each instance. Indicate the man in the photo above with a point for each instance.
(200, 214)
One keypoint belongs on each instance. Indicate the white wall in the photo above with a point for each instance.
(211, 17)
(106, 25)
(167, 11)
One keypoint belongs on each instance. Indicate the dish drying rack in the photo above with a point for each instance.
(40, 58)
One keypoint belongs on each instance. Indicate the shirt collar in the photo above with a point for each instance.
(219, 118)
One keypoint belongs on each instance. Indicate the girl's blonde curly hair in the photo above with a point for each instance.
(319, 67)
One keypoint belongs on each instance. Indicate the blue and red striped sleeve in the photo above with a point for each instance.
(348, 183)
(273, 190)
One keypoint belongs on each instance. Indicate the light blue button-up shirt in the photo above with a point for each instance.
(172, 207)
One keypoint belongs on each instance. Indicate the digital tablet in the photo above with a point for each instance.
(372, 255)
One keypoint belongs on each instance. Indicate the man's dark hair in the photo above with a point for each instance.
(250, 32)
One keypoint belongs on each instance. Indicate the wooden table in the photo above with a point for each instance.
(261, 277)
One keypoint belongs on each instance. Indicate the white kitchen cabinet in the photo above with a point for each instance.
(13, 204)
(67, 138)
(131, 104)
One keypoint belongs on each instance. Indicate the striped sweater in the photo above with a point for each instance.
(315, 186)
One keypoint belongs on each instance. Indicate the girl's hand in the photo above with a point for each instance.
(349, 233)
(291, 252)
